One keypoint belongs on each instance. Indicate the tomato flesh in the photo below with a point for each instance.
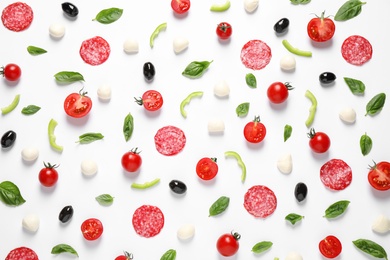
(321, 29)
(255, 131)
(379, 176)
(224, 30)
(227, 244)
(77, 105)
(330, 247)
(180, 6)
(207, 168)
(131, 161)
(92, 229)
(152, 100)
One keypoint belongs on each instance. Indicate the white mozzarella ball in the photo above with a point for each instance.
(222, 89)
(180, 44)
(251, 5)
(216, 126)
(30, 154)
(287, 62)
(348, 115)
(89, 167)
(104, 92)
(186, 232)
(381, 224)
(294, 256)
(57, 30)
(31, 222)
(130, 46)
(285, 164)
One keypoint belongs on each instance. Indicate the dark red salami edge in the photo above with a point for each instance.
(95, 51)
(260, 201)
(170, 140)
(17, 16)
(148, 220)
(356, 50)
(336, 174)
(255, 54)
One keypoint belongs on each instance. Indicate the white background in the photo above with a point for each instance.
(123, 73)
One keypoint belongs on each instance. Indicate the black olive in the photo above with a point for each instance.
(66, 214)
(8, 139)
(327, 77)
(149, 71)
(70, 9)
(178, 186)
(281, 25)
(300, 191)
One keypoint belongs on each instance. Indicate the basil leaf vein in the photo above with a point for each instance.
(375, 105)
(219, 206)
(371, 248)
(30, 109)
(349, 10)
(251, 80)
(105, 199)
(10, 194)
(196, 69)
(336, 209)
(356, 86)
(242, 109)
(63, 248)
(110, 15)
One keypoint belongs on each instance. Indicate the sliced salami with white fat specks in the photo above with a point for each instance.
(17, 16)
(255, 54)
(260, 201)
(95, 51)
(336, 174)
(169, 140)
(148, 220)
(356, 50)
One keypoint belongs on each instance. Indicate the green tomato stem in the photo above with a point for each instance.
(145, 185)
(159, 28)
(52, 137)
(12, 106)
(312, 109)
(296, 51)
(239, 162)
(187, 100)
(220, 7)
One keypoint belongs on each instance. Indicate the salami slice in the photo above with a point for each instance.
(95, 51)
(169, 140)
(260, 201)
(22, 253)
(148, 221)
(336, 174)
(356, 50)
(255, 54)
(17, 16)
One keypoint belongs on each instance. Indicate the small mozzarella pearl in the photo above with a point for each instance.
(57, 30)
(31, 222)
(89, 167)
(288, 62)
(186, 232)
(130, 46)
(30, 154)
(104, 92)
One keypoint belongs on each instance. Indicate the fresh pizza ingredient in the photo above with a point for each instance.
(300, 191)
(255, 131)
(89, 138)
(330, 246)
(88, 167)
(293, 255)
(145, 185)
(261, 247)
(293, 218)
(131, 160)
(281, 26)
(30, 154)
(57, 30)
(348, 115)
(349, 10)
(207, 168)
(148, 221)
(375, 105)
(170, 254)
(130, 45)
(295, 50)
(180, 44)
(221, 89)
(17, 16)
(227, 244)
(104, 92)
(240, 163)
(52, 138)
(242, 109)
(12, 106)
(379, 176)
(356, 86)
(70, 9)
(356, 50)
(196, 69)
(365, 144)
(224, 30)
(48, 176)
(68, 76)
(152, 100)
(216, 126)
(8, 139)
(220, 7)
(260, 201)
(109, 15)
(327, 77)
(149, 71)
(312, 109)
(336, 174)
(180, 6)
(126, 256)
(178, 187)
(95, 51)
(288, 63)
(186, 232)
(219, 206)
(336, 209)
(11, 72)
(277, 92)
(251, 5)
(10, 194)
(319, 141)
(22, 253)
(77, 105)
(31, 223)
(30, 109)
(321, 29)
(105, 199)
(92, 229)
(287, 132)
(34, 50)
(128, 126)
(250, 80)
(381, 224)
(284, 163)
(156, 32)
(63, 248)
(371, 248)
(187, 100)
(66, 214)
(169, 140)
(255, 54)
(300, 2)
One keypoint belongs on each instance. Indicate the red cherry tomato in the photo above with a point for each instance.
(227, 244)
(321, 29)
(11, 72)
(319, 141)
(255, 131)
(126, 256)
(207, 168)
(151, 100)
(131, 160)
(77, 104)
(277, 92)
(330, 247)
(180, 6)
(48, 176)
(92, 229)
(224, 30)
(379, 176)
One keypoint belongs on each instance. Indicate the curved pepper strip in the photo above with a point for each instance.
(52, 137)
(145, 185)
(313, 107)
(12, 106)
(187, 100)
(159, 28)
(220, 7)
(239, 162)
(296, 51)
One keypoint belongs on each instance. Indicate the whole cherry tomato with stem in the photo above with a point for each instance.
(319, 141)
(11, 72)
(207, 168)
(330, 246)
(48, 176)
(224, 30)
(255, 131)
(227, 244)
(152, 100)
(92, 229)
(321, 29)
(126, 256)
(180, 6)
(77, 105)
(131, 160)
(277, 92)
(379, 176)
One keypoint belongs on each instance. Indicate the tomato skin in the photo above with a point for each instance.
(180, 6)
(319, 141)
(277, 92)
(207, 168)
(11, 72)
(379, 176)
(330, 246)
(227, 244)
(321, 29)
(48, 176)
(224, 30)
(77, 105)
(255, 131)
(131, 160)
(92, 229)
(152, 100)
(126, 256)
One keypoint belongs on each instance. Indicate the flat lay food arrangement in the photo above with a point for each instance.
(182, 129)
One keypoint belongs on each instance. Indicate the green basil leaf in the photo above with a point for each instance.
(293, 218)
(89, 138)
(109, 15)
(251, 80)
(10, 194)
(365, 144)
(128, 127)
(297, 2)
(33, 50)
(376, 104)
(196, 69)
(356, 86)
(336, 209)
(242, 109)
(349, 10)
(287, 132)
(105, 199)
(169, 255)
(68, 77)
(63, 248)
(261, 247)
(30, 109)
(219, 206)
(371, 248)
